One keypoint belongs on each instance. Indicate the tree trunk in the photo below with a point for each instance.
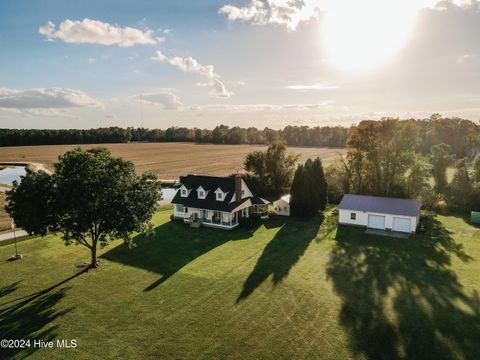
(94, 263)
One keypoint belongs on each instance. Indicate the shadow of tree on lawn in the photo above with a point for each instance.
(9, 289)
(281, 254)
(173, 246)
(28, 317)
(400, 297)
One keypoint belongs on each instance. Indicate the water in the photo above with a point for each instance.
(11, 173)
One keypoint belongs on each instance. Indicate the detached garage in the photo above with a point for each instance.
(381, 213)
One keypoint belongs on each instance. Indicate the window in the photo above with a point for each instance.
(184, 192)
(201, 194)
(353, 216)
(219, 196)
(186, 210)
(243, 192)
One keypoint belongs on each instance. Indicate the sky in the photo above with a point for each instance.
(263, 63)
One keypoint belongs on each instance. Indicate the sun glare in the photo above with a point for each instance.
(366, 33)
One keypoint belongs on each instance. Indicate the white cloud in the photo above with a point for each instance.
(219, 90)
(45, 98)
(282, 12)
(190, 65)
(90, 31)
(187, 64)
(312, 87)
(291, 12)
(91, 60)
(325, 105)
(166, 99)
(49, 113)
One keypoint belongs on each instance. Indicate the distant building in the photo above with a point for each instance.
(382, 213)
(218, 202)
(282, 206)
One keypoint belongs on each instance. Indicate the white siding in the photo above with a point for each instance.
(281, 207)
(178, 211)
(362, 218)
(246, 190)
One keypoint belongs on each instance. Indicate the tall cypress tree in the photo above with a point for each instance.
(319, 184)
(309, 189)
(300, 199)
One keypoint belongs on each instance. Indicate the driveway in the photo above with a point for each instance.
(9, 235)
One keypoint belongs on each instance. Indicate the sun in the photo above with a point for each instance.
(364, 34)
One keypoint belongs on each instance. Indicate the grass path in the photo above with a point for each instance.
(298, 290)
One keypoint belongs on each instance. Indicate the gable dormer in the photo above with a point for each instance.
(219, 195)
(201, 193)
(183, 191)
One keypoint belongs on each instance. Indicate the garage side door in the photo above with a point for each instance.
(376, 222)
(402, 224)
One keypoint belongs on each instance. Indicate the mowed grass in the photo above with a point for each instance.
(285, 290)
(167, 160)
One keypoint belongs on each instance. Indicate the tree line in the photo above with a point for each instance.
(390, 158)
(293, 135)
(460, 134)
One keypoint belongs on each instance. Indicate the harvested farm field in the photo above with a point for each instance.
(167, 160)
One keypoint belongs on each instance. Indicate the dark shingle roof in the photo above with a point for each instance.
(383, 205)
(209, 184)
(259, 201)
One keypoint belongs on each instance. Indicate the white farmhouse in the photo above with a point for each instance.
(382, 213)
(282, 206)
(218, 202)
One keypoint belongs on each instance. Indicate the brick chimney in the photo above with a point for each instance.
(238, 187)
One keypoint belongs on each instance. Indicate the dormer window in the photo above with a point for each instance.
(201, 193)
(183, 191)
(219, 195)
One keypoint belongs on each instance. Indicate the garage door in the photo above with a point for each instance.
(401, 224)
(376, 222)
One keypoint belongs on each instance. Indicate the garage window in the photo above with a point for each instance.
(353, 216)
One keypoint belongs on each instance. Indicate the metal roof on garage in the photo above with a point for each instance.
(382, 205)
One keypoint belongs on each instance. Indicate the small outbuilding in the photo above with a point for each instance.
(282, 206)
(381, 213)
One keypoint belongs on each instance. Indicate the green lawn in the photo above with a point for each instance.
(298, 290)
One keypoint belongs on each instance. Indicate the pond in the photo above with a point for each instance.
(11, 173)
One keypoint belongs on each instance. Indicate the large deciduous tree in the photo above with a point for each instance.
(476, 169)
(379, 156)
(90, 199)
(441, 158)
(271, 170)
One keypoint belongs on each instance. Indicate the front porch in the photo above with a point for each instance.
(260, 210)
(209, 218)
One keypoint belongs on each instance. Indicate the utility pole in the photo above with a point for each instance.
(17, 256)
